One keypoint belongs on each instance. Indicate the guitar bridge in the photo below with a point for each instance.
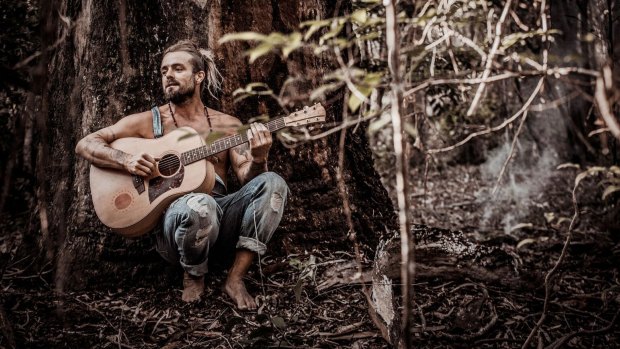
(138, 183)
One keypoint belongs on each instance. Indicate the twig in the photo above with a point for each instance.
(510, 155)
(496, 128)
(402, 187)
(603, 83)
(558, 343)
(490, 57)
(569, 236)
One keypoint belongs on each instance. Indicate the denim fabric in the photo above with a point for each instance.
(200, 230)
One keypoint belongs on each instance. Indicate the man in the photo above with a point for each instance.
(200, 229)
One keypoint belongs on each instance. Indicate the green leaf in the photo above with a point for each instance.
(278, 322)
(292, 45)
(314, 27)
(259, 51)
(355, 101)
(510, 40)
(242, 36)
(610, 190)
(332, 33)
(360, 16)
(373, 79)
(276, 39)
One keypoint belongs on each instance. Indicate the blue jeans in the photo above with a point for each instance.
(200, 230)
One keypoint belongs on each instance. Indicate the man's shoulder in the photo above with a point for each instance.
(135, 125)
(223, 117)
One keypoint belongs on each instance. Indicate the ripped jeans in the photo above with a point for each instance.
(199, 231)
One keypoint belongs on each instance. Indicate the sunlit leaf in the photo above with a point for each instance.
(359, 16)
(242, 36)
(322, 22)
(314, 27)
(525, 242)
(292, 45)
(259, 51)
(355, 101)
(510, 40)
(522, 226)
(588, 172)
(332, 33)
(568, 165)
(610, 190)
(549, 217)
(253, 86)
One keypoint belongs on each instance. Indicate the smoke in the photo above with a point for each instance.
(527, 177)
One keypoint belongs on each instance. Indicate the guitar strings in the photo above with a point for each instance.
(221, 143)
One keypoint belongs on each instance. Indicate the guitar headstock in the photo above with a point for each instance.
(307, 115)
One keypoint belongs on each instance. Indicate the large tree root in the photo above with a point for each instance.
(441, 255)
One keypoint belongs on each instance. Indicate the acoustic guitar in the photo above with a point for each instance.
(132, 205)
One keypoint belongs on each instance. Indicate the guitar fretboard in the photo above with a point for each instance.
(225, 143)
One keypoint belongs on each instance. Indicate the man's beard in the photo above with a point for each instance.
(181, 95)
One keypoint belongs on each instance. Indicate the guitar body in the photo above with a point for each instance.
(132, 205)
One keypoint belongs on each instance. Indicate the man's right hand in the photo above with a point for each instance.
(141, 164)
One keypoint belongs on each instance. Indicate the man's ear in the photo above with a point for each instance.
(199, 76)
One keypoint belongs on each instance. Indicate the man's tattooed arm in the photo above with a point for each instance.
(96, 149)
(245, 166)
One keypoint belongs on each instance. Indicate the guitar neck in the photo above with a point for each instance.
(225, 143)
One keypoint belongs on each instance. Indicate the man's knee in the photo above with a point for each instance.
(277, 187)
(272, 181)
(200, 221)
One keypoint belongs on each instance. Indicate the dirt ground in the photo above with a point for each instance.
(297, 309)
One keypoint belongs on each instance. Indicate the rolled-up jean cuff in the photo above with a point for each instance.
(195, 270)
(252, 245)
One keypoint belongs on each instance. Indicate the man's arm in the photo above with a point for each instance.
(95, 147)
(250, 159)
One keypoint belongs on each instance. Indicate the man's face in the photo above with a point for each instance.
(177, 77)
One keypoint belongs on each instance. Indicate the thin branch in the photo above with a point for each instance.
(402, 187)
(554, 72)
(492, 53)
(510, 155)
(569, 236)
(603, 83)
(558, 343)
(496, 128)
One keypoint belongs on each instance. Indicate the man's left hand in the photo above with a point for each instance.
(260, 142)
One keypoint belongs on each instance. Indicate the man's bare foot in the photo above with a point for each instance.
(235, 288)
(193, 287)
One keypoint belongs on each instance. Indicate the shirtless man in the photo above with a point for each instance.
(198, 229)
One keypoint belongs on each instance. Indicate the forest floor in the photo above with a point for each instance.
(302, 305)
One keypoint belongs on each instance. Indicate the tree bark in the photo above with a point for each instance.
(108, 68)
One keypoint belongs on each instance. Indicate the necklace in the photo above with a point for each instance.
(175, 120)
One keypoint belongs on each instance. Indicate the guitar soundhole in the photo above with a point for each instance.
(169, 165)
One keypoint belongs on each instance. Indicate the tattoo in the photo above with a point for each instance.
(242, 149)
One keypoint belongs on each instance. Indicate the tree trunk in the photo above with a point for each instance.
(108, 68)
